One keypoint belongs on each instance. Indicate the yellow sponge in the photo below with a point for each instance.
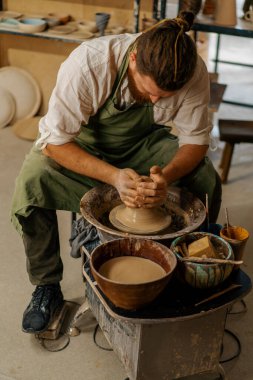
(201, 248)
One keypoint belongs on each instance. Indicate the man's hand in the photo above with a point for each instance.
(152, 191)
(185, 160)
(126, 183)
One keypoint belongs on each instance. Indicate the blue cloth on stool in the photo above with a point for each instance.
(83, 234)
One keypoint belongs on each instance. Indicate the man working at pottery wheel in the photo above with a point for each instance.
(107, 123)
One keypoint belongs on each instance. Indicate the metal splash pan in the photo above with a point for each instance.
(187, 212)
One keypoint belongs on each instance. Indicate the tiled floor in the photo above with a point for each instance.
(21, 355)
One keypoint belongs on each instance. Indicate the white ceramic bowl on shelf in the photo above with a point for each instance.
(82, 35)
(87, 26)
(10, 23)
(51, 21)
(9, 14)
(62, 29)
(32, 25)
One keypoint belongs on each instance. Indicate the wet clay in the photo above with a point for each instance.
(139, 220)
(131, 270)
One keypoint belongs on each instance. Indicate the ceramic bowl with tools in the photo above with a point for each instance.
(204, 260)
(132, 272)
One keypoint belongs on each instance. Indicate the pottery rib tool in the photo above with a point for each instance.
(210, 260)
(231, 287)
(185, 249)
(179, 250)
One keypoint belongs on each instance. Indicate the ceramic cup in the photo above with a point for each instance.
(102, 20)
(249, 15)
(237, 237)
(225, 12)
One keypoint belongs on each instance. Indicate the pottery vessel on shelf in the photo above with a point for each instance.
(32, 25)
(87, 26)
(225, 12)
(102, 20)
(62, 29)
(51, 21)
(63, 18)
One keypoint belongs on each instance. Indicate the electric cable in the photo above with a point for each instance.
(95, 340)
(244, 308)
(55, 345)
(239, 347)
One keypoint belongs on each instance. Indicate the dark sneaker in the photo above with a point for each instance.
(45, 300)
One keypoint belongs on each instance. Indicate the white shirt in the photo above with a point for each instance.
(85, 81)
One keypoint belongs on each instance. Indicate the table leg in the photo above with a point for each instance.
(216, 60)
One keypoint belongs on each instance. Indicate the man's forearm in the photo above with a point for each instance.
(72, 157)
(185, 160)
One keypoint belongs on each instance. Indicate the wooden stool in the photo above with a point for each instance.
(233, 132)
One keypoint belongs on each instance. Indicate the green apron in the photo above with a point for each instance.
(125, 138)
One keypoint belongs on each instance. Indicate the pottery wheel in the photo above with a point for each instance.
(139, 220)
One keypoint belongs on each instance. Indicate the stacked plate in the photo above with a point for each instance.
(27, 129)
(20, 95)
(7, 109)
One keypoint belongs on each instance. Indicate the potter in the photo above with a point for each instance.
(107, 122)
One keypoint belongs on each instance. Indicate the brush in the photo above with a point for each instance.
(207, 214)
(228, 224)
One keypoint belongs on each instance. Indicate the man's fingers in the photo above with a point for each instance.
(152, 192)
(129, 193)
(156, 170)
(147, 185)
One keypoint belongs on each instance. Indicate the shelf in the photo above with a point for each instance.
(241, 29)
(46, 35)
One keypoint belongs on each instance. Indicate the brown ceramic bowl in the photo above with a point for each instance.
(62, 18)
(132, 296)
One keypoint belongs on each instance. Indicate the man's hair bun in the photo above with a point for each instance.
(188, 18)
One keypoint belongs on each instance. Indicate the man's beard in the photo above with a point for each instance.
(136, 94)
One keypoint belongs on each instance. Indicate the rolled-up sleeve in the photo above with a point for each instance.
(192, 120)
(70, 105)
